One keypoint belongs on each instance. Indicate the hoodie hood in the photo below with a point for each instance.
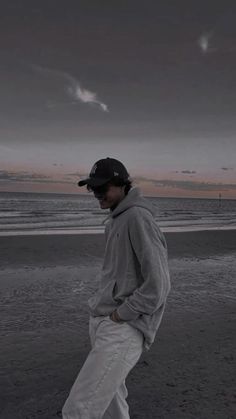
(134, 198)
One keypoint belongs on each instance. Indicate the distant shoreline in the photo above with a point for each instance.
(35, 214)
(89, 195)
(90, 230)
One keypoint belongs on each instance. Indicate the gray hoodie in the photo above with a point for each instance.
(134, 278)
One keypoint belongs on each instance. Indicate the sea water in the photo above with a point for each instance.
(31, 213)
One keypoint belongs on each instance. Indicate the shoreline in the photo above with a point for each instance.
(97, 230)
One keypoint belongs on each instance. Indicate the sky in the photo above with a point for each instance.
(150, 83)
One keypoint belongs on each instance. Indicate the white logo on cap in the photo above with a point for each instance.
(93, 170)
(116, 174)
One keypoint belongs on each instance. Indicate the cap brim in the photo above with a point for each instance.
(82, 182)
(93, 182)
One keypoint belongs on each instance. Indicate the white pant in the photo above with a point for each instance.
(99, 392)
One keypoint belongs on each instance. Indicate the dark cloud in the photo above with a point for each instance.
(77, 174)
(227, 168)
(71, 178)
(194, 186)
(188, 171)
(28, 177)
(4, 175)
(187, 184)
(21, 176)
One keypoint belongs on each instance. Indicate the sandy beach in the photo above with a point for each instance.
(189, 371)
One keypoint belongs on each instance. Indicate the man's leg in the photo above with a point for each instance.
(118, 403)
(118, 408)
(116, 348)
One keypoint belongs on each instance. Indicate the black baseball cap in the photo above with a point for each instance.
(103, 171)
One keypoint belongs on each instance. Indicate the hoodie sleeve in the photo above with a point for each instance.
(150, 248)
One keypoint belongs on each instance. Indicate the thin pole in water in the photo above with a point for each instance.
(219, 199)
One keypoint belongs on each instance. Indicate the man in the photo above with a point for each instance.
(126, 311)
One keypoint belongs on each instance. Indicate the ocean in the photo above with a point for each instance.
(44, 213)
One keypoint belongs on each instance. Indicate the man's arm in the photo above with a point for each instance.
(148, 244)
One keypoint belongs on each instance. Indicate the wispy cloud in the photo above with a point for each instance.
(204, 42)
(85, 96)
(73, 88)
(207, 45)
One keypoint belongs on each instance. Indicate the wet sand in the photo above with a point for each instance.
(189, 371)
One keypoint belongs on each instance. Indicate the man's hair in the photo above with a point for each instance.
(116, 181)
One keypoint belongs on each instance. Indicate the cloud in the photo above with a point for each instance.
(73, 88)
(227, 168)
(71, 179)
(85, 96)
(193, 186)
(188, 171)
(28, 177)
(187, 184)
(204, 42)
(77, 174)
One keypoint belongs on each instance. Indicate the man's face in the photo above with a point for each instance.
(109, 195)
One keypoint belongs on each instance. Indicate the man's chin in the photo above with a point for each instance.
(104, 204)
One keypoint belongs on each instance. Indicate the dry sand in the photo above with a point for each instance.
(189, 372)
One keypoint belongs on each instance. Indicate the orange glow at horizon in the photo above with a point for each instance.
(148, 190)
(64, 180)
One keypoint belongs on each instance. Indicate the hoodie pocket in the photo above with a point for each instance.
(107, 294)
